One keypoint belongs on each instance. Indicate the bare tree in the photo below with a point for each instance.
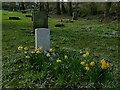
(47, 6)
(118, 11)
(70, 11)
(63, 7)
(58, 7)
(93, 8)
(22, 6)
(107, 9)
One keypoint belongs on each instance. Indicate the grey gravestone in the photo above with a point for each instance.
(42, 38)
(40, 19)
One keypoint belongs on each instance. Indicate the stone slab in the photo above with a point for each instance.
(42, 38)
(40, 19)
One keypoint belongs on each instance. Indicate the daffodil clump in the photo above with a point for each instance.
(91, 64)
(104, 64)
(48, 54)
(20, 48)
(65, 67)
(96, 71)
(65, 57)
(86, 54)
(58, 61)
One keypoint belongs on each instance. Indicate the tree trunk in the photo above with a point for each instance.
(11, 6)
(47, 7)
(58, 8)
(107, 9)
(63, 7)
(22, 6)
(93, 8)
(70, 11)
(118, 11)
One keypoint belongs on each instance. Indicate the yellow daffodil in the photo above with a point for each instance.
(48, 55)
(82, 63)
(38, 49)
(65, 57)
(50, 50)
(87, 68)
(81, 52)
(25, 48)
(27, 57)
(103, 61)
(20, 48)
(86, 65)
(25, 52)
(87, 53)
(58, 61)
(92, 63)
(84, 55)
(32, 52)
(37, 52)
(104, 64)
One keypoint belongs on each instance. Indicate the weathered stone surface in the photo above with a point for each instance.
(42, 38)
(40, 20)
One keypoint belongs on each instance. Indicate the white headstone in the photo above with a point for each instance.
(42, 38)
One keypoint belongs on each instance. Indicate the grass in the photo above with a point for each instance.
(82, 34)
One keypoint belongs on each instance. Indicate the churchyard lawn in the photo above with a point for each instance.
(82, 35)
